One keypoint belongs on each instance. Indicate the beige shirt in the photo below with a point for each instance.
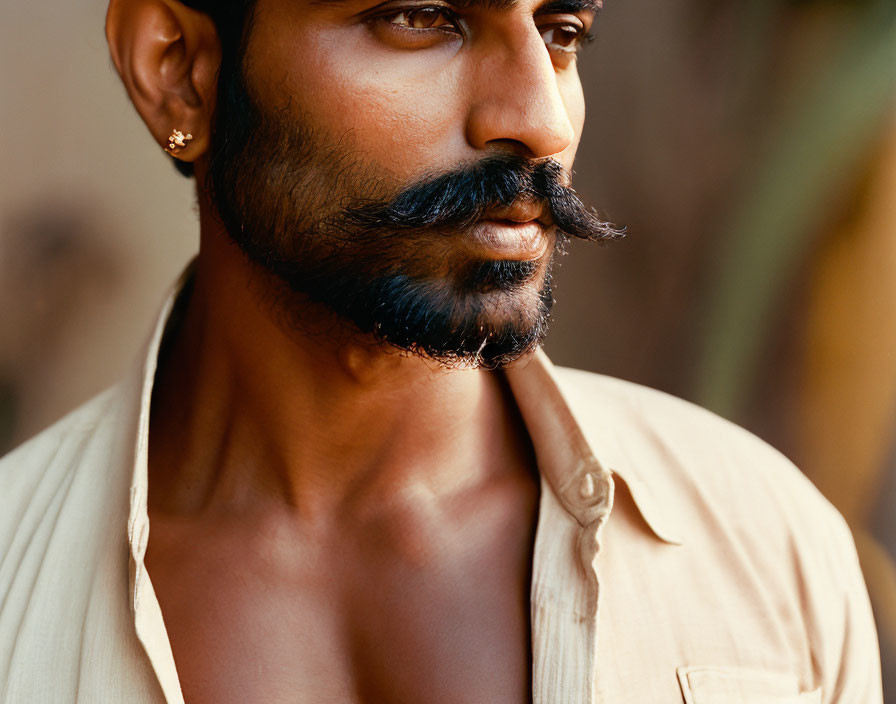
(677, 558)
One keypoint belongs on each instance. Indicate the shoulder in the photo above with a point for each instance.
(639, 413)
(698, 460)
(35, 476)
(64, 501)
(743, 507)
(41, 449)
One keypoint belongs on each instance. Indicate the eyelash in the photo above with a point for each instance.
(443, 11)
(582, 36)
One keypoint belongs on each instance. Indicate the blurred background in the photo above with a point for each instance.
(749, 146)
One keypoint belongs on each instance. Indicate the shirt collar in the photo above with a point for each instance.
(141, 384)
(578, 466)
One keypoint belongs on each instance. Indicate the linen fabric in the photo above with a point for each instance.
(677, 558)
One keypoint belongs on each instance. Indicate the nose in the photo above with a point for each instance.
(516, 101)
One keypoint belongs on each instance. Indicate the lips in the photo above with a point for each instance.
(507, 239)
(517, 232)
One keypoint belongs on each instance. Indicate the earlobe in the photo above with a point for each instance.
(167, 56)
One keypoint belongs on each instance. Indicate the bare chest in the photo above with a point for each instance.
(446, 627)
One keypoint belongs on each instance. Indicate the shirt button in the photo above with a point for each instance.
(586, 488)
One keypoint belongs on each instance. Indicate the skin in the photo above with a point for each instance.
(332, 520)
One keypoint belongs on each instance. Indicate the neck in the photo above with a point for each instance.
(250, 409)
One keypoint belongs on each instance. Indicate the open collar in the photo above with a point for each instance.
(580, 467)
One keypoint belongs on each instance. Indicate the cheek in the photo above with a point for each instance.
(399, 109)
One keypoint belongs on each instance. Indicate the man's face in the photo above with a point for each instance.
(403, 163)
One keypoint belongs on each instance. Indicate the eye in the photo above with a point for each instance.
(423, 18)
(566, 38)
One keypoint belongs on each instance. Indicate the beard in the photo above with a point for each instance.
(388, 258)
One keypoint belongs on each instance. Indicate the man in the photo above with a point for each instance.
(364, 481)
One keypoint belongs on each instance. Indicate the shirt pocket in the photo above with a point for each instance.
(737, 685)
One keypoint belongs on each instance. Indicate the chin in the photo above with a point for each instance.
(522, 308)
(485, 329)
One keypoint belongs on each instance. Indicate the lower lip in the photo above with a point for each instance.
(505, 239)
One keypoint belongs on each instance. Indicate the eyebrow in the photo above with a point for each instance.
(572, 6)
(550, 7)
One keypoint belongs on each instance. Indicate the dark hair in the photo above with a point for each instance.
(232, 20)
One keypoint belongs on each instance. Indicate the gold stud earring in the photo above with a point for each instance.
(177, 142)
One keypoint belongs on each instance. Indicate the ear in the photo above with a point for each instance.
(168, 57)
